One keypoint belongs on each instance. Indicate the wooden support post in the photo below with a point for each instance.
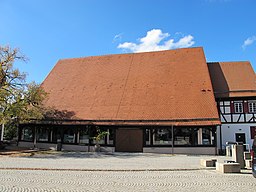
(172, 140)
(89, 133)
(35, 130)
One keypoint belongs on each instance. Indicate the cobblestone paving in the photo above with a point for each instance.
(74, 171)
(101, 161)
(198, 180)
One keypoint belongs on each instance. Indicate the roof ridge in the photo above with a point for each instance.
(147, 52)
(214, 62)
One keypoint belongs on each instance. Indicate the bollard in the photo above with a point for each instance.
(59, 145)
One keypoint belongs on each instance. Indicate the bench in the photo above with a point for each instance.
(208, 162)
(228, 167)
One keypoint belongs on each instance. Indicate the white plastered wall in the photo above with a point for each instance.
(229, 133)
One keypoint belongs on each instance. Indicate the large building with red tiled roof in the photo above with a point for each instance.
(148, 102)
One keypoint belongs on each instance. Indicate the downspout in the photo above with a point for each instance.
(221, 152)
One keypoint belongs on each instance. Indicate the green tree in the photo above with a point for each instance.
(19, 101)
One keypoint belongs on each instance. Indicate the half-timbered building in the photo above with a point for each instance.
(234, 85)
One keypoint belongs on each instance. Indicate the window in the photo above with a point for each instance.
(94, 132)
(252, 106)
(27, 134)
(42, 134)
(162, 136)
(183, 136)
(206, 136)
(238, 107)
(186, 136)
(56, 134)
(84, 136)
(69, 136)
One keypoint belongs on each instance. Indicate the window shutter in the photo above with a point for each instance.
(232, 107)
(246, 110)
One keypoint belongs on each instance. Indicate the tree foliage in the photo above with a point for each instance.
(19, 101)
(10, 78)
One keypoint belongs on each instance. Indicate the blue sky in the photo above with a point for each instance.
(49, 30)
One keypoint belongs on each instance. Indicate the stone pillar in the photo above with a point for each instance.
(238, 154)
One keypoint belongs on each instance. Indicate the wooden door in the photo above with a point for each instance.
(129, 140)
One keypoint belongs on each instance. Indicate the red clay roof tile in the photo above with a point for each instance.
(233, 79)
(164, 85)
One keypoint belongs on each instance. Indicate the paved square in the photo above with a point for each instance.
(117, 172)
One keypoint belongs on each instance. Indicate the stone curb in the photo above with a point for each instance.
(17, 152)
(100, 170)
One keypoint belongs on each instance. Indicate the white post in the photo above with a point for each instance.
(2, 132)
(211, 137)
(78, 137)
(200, 136)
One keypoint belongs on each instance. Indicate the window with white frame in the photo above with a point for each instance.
(252, 106)
(238, 107)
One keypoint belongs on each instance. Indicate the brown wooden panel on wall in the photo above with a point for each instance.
(232, 107)
(129, 140)
(246, 107)
(253, 132)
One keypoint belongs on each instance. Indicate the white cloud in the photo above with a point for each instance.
(118, 37)
(249, 41)
(156, 40)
